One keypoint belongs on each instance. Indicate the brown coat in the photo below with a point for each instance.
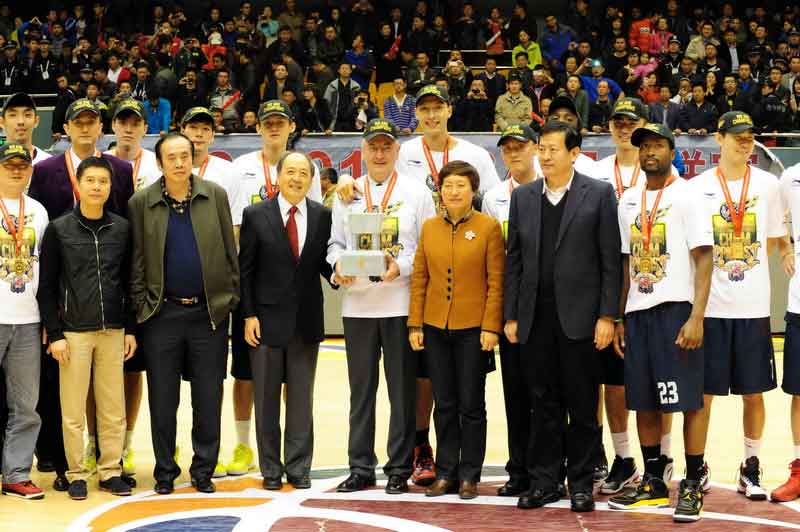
(457, 283)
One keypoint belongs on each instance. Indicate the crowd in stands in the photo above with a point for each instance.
(337, 68)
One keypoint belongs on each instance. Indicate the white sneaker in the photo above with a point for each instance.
(749, 482)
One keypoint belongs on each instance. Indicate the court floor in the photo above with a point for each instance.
(725, 448)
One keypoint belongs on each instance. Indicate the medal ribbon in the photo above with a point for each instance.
(431, 164)
(16, 231)
(202, 171)
(272, 190)
(71, 171)
(136, 163)
(618, 177)
(647, 221)
(386, 195)
(737, 214)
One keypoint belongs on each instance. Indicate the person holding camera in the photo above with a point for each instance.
(364, 110)
(475, 111)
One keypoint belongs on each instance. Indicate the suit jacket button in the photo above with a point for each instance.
(448, 298)
(448, 288)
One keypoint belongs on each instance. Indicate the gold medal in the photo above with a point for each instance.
(19, 266)
(737, 248)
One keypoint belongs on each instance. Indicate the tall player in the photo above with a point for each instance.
(19, 120)
(517, 147)
(258, 181)
(743, 204)
(421, 158)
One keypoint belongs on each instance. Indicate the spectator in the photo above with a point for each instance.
(285, 44)
(226, 98)
(746, 81)
(159, 113)
(494, 84)
(616, 32)
(575, 93)
(600, 110)
(249, 121)
(142, 84)
(659, 41)
(57, 39)
(729, 98)
(320, 75)
(466, 32)
(419, 39)
(290, 98)
(107, 88)
(627, 78)
(696, 49)
(387, 56)
(699, 117)
(189, 94)
(314, 112)
(617, 58)
(521, 21)
(684, 94)
(13, 72)
(757, 67)
(712, 63)
(280, 80)
(542, 87)
(441, 34)
(421, 74)
(400, 108)
(730, 51)
(770, 113)
(476, 111)
(190, 54)
(513, 107)
(340, 95)
(670, 63)
(775, 78)
(44, 68)
(580, 20)
(458, 79)
(331, 49)
(528, 47)
(641, 31)
(310, 39)
(794, 104)
(328, 177)
(268, 26)
(665, 111)
(116, 72)
(554, 41)
(649, 92)
(397, 23)
(589, 83)
(364, 110)
(521, 69)
(292, 19)
(362, 60)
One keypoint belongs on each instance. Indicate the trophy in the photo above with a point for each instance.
(367, 259)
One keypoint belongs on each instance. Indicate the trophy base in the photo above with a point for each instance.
(364, 263)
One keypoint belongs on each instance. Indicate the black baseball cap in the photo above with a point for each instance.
(563, 102)
(380, 126)
(632, 108)
(131, 105)
(275, 107)
(734, 122)
(196, 113)
(83, 105)
(521, 133)
(11, 150)
(20, 99)
(659, 130)
(673, 39)
(433, 90)
(10, 46)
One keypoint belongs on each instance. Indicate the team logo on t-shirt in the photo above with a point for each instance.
(649, 266)
(390, 231)
(17, 271)
(736, 254)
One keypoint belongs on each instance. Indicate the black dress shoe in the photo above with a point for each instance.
(537, 498)
(204, 485)
(299, 483)
(61, 483)
(272, 484)
(129, 480)
(581, 501)
(164, 487)
(355, 482)
(396, 485)
(514, 487)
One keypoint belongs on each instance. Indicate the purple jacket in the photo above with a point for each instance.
(51, 186)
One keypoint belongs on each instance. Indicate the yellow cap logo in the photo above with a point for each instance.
(16, 149)
(625, 105)
(741, 119)
(195, 110)
(513, 130)
(83, 104)
(273, 106)
(381, 125)
(429, 89)
(654, 128)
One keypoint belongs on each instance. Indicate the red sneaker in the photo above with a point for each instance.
(424, 471)
(790, 490)
(25, 490)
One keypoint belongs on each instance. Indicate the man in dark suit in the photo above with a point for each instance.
(562, 288)
(665, 111)
(54, 184)
(731, 52)
(285, 238)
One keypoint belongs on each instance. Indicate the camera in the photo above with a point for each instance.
(476, 91)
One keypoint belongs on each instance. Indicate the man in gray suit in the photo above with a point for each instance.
(665, 111)
(562, 288)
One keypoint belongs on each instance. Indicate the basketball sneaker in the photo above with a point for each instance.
(242, 460)
(650, 493)
(219, 471)
(749, 480)
(690, 502)
(623, 474)
(669, 469)
(128, 465)
(424, 470)
(25, 490)
(600, 473)
(705, 478)
(789, 490)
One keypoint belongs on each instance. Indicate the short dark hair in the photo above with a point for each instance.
(330, 174)
(291, 152)
(521, 54)
(169, 136)
(94, 162)
(460, 168)
(572, 137)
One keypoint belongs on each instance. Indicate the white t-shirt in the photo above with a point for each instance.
(667, 274)
(740, 286)
(409, 206)
(790, 193)
(18, 291)
(39, 155)
(222, 173)
(583, 164)
(253, 185)
(149, 172)
(497, 201)
(604, 171)
(412, 162)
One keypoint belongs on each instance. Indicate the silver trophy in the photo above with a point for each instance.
(367, 259)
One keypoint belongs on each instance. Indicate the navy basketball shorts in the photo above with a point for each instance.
(739, 356)
(791, 355)
(659, 375)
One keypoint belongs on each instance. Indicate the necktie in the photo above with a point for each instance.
(291, 232)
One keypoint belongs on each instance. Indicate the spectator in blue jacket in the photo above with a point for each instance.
(554, 41)
(590, 82)
(361, 59)
(159, 112)
(400, 108)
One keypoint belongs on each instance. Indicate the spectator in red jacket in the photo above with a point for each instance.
(642, 30)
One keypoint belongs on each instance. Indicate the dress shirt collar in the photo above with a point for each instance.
(284, 205)
(546, 189)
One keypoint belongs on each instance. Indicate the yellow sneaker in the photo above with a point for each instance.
(242, 460)
(220, 470)
(128, 466)
(90, 458)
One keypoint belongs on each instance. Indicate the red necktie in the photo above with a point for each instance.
(291, 232)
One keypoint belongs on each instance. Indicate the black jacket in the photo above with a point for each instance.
(284, 295)
(84, 276)
(694, 117)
